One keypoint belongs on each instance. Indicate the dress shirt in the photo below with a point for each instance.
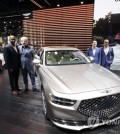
(106, 50)
(94, 50)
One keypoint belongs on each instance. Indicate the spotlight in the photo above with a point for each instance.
(81, 2)
(58, 5)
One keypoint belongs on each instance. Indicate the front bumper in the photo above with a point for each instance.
(78, 125)
(79, 116)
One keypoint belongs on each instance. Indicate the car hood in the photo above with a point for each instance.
(82, 78)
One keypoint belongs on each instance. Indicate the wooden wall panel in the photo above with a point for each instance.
(70, 26)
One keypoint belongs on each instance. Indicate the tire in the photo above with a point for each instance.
(45, 110)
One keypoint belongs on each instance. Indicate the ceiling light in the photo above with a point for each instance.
(81, 2)
(58, 5)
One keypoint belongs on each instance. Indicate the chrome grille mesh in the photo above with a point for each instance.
(106, 107)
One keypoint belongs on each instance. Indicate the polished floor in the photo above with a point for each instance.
(22, 114)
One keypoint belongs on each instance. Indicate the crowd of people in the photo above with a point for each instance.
(20, 57)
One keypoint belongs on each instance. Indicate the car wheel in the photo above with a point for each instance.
(44, 105)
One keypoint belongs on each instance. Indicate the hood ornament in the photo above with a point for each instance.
(106, 91)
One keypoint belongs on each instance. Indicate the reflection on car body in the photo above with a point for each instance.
(74, 89)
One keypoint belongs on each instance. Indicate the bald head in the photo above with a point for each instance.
(106, 43)
(12, 39)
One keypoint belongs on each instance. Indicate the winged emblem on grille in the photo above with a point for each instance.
(105, 91)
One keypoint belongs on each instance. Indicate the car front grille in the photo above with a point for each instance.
(107, 107)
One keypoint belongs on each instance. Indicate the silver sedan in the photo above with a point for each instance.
(76, 93)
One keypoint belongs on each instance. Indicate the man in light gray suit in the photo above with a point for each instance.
(27, 55)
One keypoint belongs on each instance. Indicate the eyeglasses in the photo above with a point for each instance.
(106, 42)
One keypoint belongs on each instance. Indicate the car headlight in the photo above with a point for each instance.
(62, 101)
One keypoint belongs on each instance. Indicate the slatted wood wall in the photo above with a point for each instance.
(70, 26)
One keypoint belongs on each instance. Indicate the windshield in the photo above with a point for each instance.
(65, 57)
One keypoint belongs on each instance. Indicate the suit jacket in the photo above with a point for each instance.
(26, 56)
(97, 56)
(107, 59)
(12, 57)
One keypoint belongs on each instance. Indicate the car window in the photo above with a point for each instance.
(65, 57)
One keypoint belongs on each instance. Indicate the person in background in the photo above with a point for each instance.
(12, 63)
(1, 48)
(27, 55)
(94, 52)
(107, 55)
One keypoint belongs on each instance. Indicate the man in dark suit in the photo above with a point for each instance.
(94, 52)
(12, 63)
(107, 55)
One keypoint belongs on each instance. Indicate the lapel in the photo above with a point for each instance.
(108, 51)
(91, 51)
(17, 49)
(96, 50)
(104, 52)
(12, 48)
(25, 50)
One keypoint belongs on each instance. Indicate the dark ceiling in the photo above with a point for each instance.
(11, 12)
(16, 7)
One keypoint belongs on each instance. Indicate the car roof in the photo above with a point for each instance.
(59, 48)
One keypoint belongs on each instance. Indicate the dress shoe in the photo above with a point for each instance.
(26, 90)
(18, 89)
(36, 90)
(14, 93)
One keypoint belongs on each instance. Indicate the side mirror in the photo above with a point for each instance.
(92, 59)
(37, 57)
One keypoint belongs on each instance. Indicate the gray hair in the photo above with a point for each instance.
(23, 38)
